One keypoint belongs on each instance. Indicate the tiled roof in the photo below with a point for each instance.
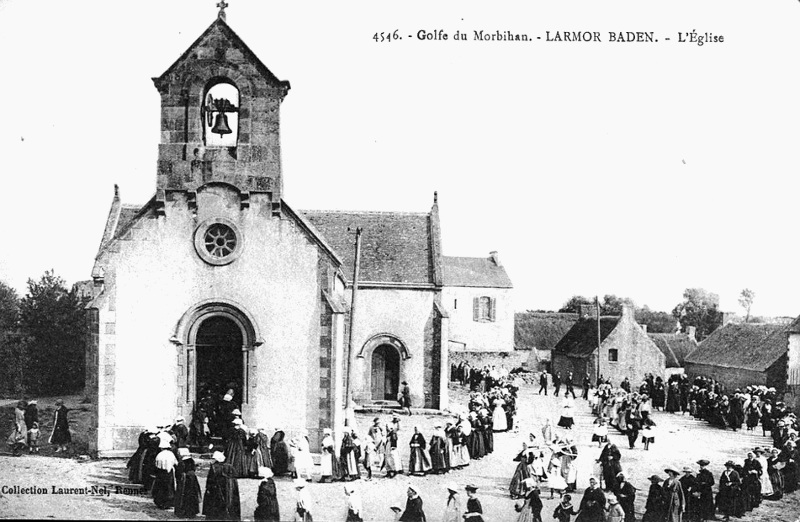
(747, 346)
(395, 246)
(581, 339)
(675, 347)
(541, 330)
(474, 272)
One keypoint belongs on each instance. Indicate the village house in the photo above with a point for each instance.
(743, 354)
(625, 350)
(217, 283)
(539, 333)
(675, 347)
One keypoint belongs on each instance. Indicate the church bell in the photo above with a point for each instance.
(221, 124)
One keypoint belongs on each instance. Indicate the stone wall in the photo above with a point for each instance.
(509, 360)
(155, 280)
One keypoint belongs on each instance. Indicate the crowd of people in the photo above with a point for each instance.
(26, 431)
(766, 473)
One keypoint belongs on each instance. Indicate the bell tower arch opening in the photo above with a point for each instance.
(220, 113)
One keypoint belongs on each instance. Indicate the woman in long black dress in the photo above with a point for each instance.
(705, 499)
(221, 500)
(267, 499)
(61, 435)
(164, 483)
(280, 454)
(187, 489)
(751, 481)
(730, 485)
(235, 449)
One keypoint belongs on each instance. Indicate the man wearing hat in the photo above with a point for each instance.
(654, 509)
(730, 486)
(474, 509)
(705, 500)
(674, 500)
(405, 398)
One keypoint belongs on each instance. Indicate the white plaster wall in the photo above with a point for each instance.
(496, 336)
(403, 314)
(794, 359)
(157, 277)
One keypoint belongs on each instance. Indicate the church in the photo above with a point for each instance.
(218, 284)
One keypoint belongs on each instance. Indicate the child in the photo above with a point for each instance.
(564, 510)
(648, 434)
(600, 433)
(33, 438)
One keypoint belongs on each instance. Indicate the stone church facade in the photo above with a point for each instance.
(217, 282)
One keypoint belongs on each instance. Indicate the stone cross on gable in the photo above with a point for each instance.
(222, 5)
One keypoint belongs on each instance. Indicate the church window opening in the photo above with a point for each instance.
(483, 309)
(218, 241)
(613, 355)
(220, 113)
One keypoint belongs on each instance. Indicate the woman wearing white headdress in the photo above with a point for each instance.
(354, 509)
(567, 414)
(304, 465)
(302, 512)
(328, 461)
(164, 485)
(452, 510)
(499, 420)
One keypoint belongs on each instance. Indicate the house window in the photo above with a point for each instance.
(483, 309)
(455, 304)
(613, 355)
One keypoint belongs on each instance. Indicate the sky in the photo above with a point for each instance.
(635, 169)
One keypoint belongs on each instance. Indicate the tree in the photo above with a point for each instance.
(746, 301)
(574, 304)
(612, 305)
(9, 308)
(700, 309)
(52, 320)
(657, 322)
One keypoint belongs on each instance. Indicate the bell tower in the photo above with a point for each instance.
(220, 118)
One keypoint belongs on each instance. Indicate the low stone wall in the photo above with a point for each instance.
(509, 360)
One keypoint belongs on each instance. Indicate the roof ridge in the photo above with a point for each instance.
(394, 212)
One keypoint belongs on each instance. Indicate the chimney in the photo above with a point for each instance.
(644, 327)
(627, 311)
(588, 311)
(495, 257)
(691, 331)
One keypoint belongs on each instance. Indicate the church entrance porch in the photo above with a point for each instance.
(385, 373)
(219, 367)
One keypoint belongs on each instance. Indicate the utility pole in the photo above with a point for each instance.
(597, 306)
(348, 395)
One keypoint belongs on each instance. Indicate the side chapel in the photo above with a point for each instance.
(216, 282)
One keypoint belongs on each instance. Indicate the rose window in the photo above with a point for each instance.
(220, 240)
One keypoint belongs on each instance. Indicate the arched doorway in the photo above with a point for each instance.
(218, 345)
(385, 373)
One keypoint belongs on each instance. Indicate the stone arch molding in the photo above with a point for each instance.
(384, 338)
(189, 323)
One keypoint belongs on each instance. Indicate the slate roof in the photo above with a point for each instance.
(581, 340)
(395, 246)
(541, 330)
(675, 347)
(480, 272)
(127, 213)
(746, 346)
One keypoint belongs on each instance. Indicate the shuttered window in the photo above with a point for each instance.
(483, 309)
